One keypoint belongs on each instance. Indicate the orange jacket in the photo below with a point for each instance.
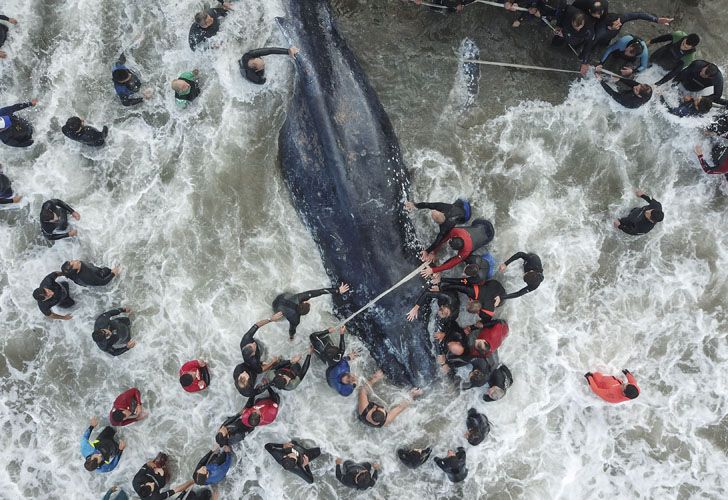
(609, 388)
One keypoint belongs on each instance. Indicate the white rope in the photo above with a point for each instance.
(496, 4)
(520, 66)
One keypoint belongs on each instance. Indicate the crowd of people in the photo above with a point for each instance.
(459, 267)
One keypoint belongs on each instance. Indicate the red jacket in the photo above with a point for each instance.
(125, 401)
(268, 411)
(494, 335)
(193, 367)
(464, 252)
(609, 388)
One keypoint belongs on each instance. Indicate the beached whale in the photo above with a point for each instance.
(341, 161)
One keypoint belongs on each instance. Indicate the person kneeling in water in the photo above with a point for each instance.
(641, 220)
(54, 219)
(464, 240)
(85, 274)
(102, 454)
(75, 130)
(194, 376)
(295, 305)
(719, 154)
(252, 65)
(414, 457)
(261, 411)
(454, 465)
(532, 273)
(51, 293)
(232, 431)
(15, 131)
(446, 216)
(498, 383)
(246, 373)
(338, 373)
(611, 389)
(153, 476)
(289, 374)
(294, 458)
(356, 475)
(213, 467)
(186, 89)
(127, 408)
(478, 427)
(113, 335)
(375, 415)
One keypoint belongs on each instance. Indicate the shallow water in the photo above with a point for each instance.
(191, 205)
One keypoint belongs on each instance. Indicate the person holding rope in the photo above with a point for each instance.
(464, 240)
(295, 305)
(375, 415)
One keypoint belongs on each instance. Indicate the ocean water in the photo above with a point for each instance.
(192, 207)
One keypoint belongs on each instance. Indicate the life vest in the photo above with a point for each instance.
(477, 296)
(494, 335)
(268, 411)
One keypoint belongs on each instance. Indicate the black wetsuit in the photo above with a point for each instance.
(604, 35)
(325, 349)
(86, 135)
(6, 190)
(252, 360)
(485, 294)
(146, 475)
(192, 494)
(692, 81)
(478, 427)
(347, 472)
(62, 210)
(20, 133)
(500, 377)
(669, 57)
(61, 294)
(257, 77)
(719, 154)
(90, 275)
(288, 303)
(454, 467)
(198, 34)
(3, 29)
(120, 332)
(413, 458)
(485, 365)
(455, 213)
(365, 412)
(683, 109)
(250, 390)
(626, 97)
(279, 451)
(193, 93)
(586, 6)
(531, 263)
(444, 298)
(237, 431)
(583, 38)
(636, 222)
(294, 371)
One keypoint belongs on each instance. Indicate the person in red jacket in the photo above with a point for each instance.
(611, 389)
(262, 411)
(464, 240)
(194, 376)
(489, 339)
(127, 408)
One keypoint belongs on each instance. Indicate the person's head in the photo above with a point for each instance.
(362, 479)
(47, 215)
(689, 42)
(257, 64)
(70, 266)
(597, 9)
(186, 380)
(709, 71)
(703, 104)
(203, 19)
(471, 270)
(243, 379)
(304, 308)
(74, 123)
(249, 349)
(100, 335)
(473, 307)
(634, 49)
(474, 437)
(288, 462)
(444, 311)
(200, 476)
(42, 294)
(347, 379)
(180, 86)
(221, 438)
(93, 462)
(655, 215)
(614, 22)
(578, 21)
(533, 279)
(456, 348)
(437, 216)
(478, 378)
(631, 391)
(118, 415)
(456, 244)
(482, 346)
(280, 381)
(120, 75)
(643, 90)
(254, 419)
(378, 416)
(146, 489)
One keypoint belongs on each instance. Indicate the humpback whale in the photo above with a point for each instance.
(342, 164)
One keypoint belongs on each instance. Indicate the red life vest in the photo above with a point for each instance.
(494, 335)
(477, 296)
(267, 408)
(463, 253)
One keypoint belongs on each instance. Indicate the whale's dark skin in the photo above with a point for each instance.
(341, 161)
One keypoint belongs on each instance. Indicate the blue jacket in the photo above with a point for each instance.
(216, 472)
(333, 377)
(88, 449)
(621, 44)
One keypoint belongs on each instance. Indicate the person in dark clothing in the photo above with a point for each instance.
(598, 9)
(113, 335)
(50, 294)
(576, 29)
(85, 274)
(75, 130)
(54, 219)
(6, 190)
(465, 241)
(126, 83)
(675, 56)
(446, 216)
(481, 367)
(152, 477)
(626, 57)
(448, 304)
(357, 475)
(252, 65)
(295, 305)
(498, 383)
(478, 427)
(699, 76)
(325, 349)
(207, 24)
(641, 220)
(415, 457)
(293, 457)
(483, 299)
(4, 32)
(15, 131)
(453, 465)
(633, 95)
(232, 431)
(719, 154)
(213, 467)
(186, 88)
(199, 494)
(537, 10)
(373, 414)
(289, 374)
(690, 106)
(532, 272)
(103, 453)
(246, 373)
(609, 26)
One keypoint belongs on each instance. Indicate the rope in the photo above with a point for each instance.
(520, 66)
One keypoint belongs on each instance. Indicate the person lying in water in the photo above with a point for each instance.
(375, 415)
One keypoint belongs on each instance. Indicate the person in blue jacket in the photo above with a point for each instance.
(126, 83)
(339, 376)
(213, 467)
(103, 453)
(629, 55)
(16, 131)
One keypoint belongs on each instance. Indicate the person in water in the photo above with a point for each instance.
(478, 427)
(295, 305)
(464, 240)
(675, 56)
(54, 219)
(325, 349)
(575, 28)
(537, 9)
(6, 190)
(15, 131)
(293, 457)
(700, 75)
(207, 24)
(483, 299)
(115, 493)
(75, 130)
(103, 453)
(446, 216)
(627, 56)
(4, 32)
(261, 411)
(50, 294)
(246, 373)
(481, 368)
(690, 106)
(414, 457)
(608, 27)
(375, 415)
(498, 383)
(232, 431)
(113, 335)
(194, 376)
(339, 376)
(126, 83)
(149, 481)
(641, 220)
(287, 375)
(532, 272)
(252, 65)
(357, 475)
(488, 340)
(453, 465)
(631, 94)
(85, 274)
(186, 88)
(448, 304)
(127, 408)
(213, 467)
(719, 154)
(611, 389)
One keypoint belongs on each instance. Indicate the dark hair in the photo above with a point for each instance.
(579, 18)
(363, 479)
(693, 39)
(379, 416)
(637, 44)
(90, 464)
(74, 123)
(456, 243)
(201, 16)
(98, 336)
(711, 70)
(471, 270)
(117, 415)
(478, 378)
(597, 8)
(119, 75)
(631, 391)
(145, 490)
(39, 294)
(248, 349)
(474, 437)
(200, 478)
(279, 382)
(705, 104)
(66, 267)
(657, 215)
(46, 215)
(288, 463)
(186, 380)
(254, 419)
(304, 308)
(221, 439)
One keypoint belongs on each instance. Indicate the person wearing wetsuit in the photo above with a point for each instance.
(641, 220)
(719, 154)
(54, 219)
(700, 75)
(199, 494)
(50, 294)
(498, 383)
(374, 415)
(609, 26)
(488, 339)
(287, 375)
(339, 376)
(186, 89)
(478, 427)
(464, 240)
(15, 131)
(246, 373)
(448, 304)
(207, 24)
(690, 106)
(446, 216)
(113, 335)
(627, 56)
(537, 9)
(675, 56)
(414, 457)
(75, 130)
(532, 273)
(252, 64)
(232, 431)
(4, 32)
(488, 296)
(103, 453)
(611, 389)
(293, 457)
(127, 408)
(85, 274)
(194, 376)
(213, 467)
(126, 83)
(631, 94)
(152, 477)
(481, 366)
(6, 190)
(325, 349)
(453, 465)
(115, 493)
(295, 305)
(576, 28)
(261, 411)
(357, 475)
